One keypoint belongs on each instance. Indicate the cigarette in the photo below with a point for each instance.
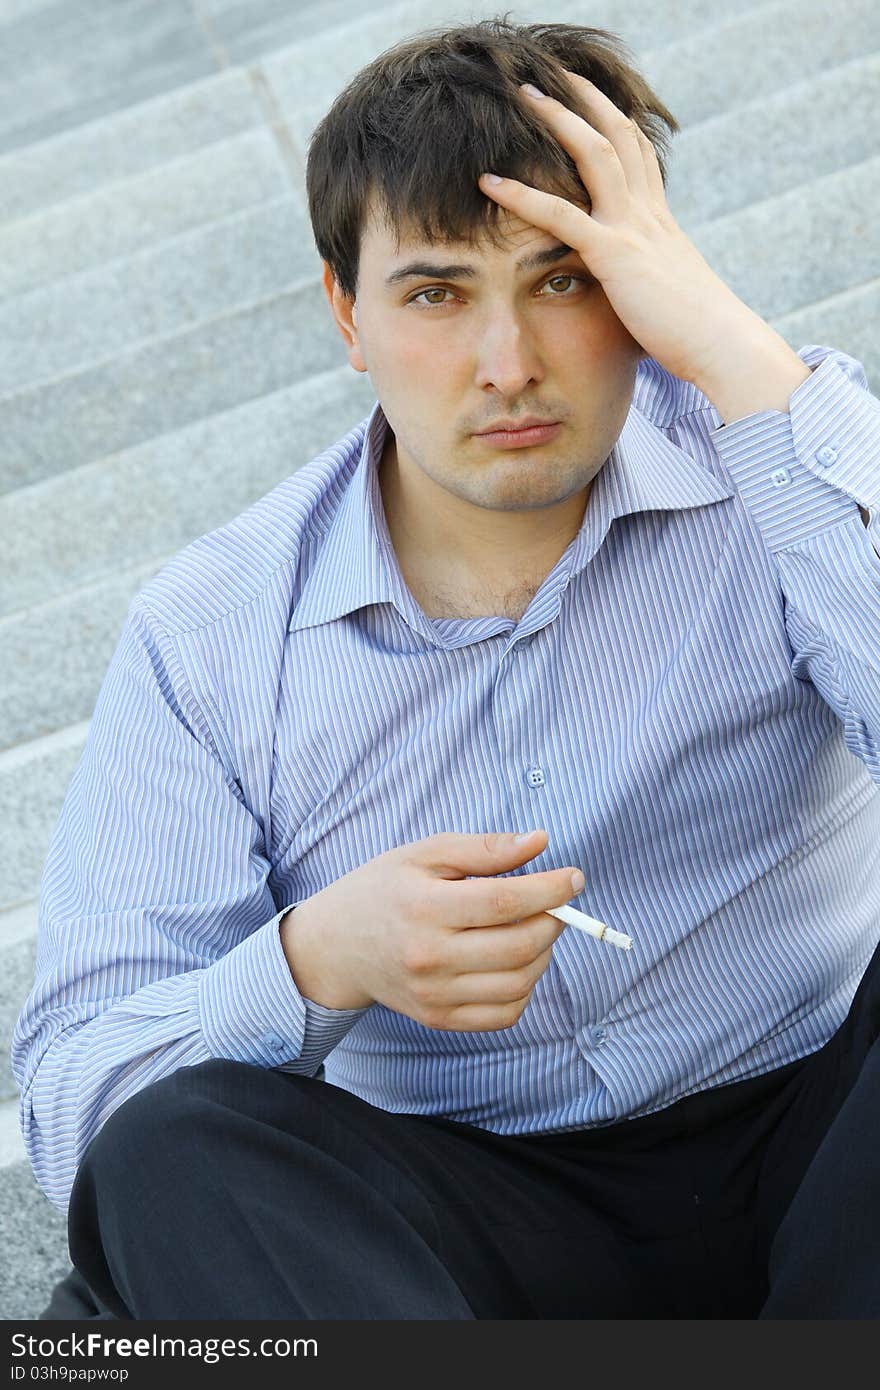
(573, 918)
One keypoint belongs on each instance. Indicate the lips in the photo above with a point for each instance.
(523, 437)
(514, 426)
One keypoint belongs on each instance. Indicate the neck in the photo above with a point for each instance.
(447, 544)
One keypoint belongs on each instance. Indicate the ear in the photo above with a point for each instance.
(344, 311)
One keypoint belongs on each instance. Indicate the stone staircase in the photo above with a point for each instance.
(167, 355)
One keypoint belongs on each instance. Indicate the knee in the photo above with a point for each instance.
(150, 1126)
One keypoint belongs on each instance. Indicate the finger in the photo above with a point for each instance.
(517, 946)
(495, 902)
(653, 176)
(493, 987)
(595, 154)
(481, 1018)
(549, 212)
(623, 132)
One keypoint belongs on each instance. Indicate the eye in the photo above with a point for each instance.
(566, 276)
(586, 280)
(434, 289)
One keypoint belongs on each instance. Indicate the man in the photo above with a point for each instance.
(597, 562)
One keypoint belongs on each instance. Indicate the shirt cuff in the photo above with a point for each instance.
(804, 471)
(251, 1010)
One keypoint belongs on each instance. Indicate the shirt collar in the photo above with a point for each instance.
(645, 471)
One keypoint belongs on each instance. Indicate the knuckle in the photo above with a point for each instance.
(513, 1011)
(523, 953)
(422, 994)
(541, 964)
(435, 1016)
(418, 959)
(505, 902)
(521, 982)
(605, 148)
(561, 206)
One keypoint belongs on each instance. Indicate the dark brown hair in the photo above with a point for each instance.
(411, 133)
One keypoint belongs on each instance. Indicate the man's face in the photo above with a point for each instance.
(451, 353)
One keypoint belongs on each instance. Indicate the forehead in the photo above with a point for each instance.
(395, 260)
(386, 247)
(377, 225)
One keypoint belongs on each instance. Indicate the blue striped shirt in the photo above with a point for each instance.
(689, 705)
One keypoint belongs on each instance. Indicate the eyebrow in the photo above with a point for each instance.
(534, 261)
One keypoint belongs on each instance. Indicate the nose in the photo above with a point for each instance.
(508, 358)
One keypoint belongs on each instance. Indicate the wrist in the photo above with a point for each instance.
(753, 369)
(313, 965)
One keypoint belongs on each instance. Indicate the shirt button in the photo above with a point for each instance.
(535, 776)
(273, 1041)
(826, 455)
(780, 477)
(599, 1035)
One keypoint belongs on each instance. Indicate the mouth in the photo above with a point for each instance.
(521, 438)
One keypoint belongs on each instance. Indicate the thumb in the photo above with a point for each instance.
(456, 856)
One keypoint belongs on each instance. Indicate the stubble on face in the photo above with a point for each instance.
(442, 374)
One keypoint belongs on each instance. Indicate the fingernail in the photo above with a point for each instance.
(519, 839)
(492, 178)
(577, 880)
(532, 91)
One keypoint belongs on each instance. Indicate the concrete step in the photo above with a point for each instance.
(66, 64)
(833, 223)
(123, 218)
(34, 1232)
(35, 1252)
(850, 318)
(839, 105)
(99, 313)
(11, 1143)
(242, 32)
(55, 651)
(761, 52)
(166, 383)
(122, 510)
(131, 142)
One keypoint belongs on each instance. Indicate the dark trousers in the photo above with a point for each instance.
(229, 1191)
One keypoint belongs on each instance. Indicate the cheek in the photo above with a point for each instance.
(423, 358)
(603, 343)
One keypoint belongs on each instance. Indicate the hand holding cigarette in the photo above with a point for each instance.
(436, 930)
